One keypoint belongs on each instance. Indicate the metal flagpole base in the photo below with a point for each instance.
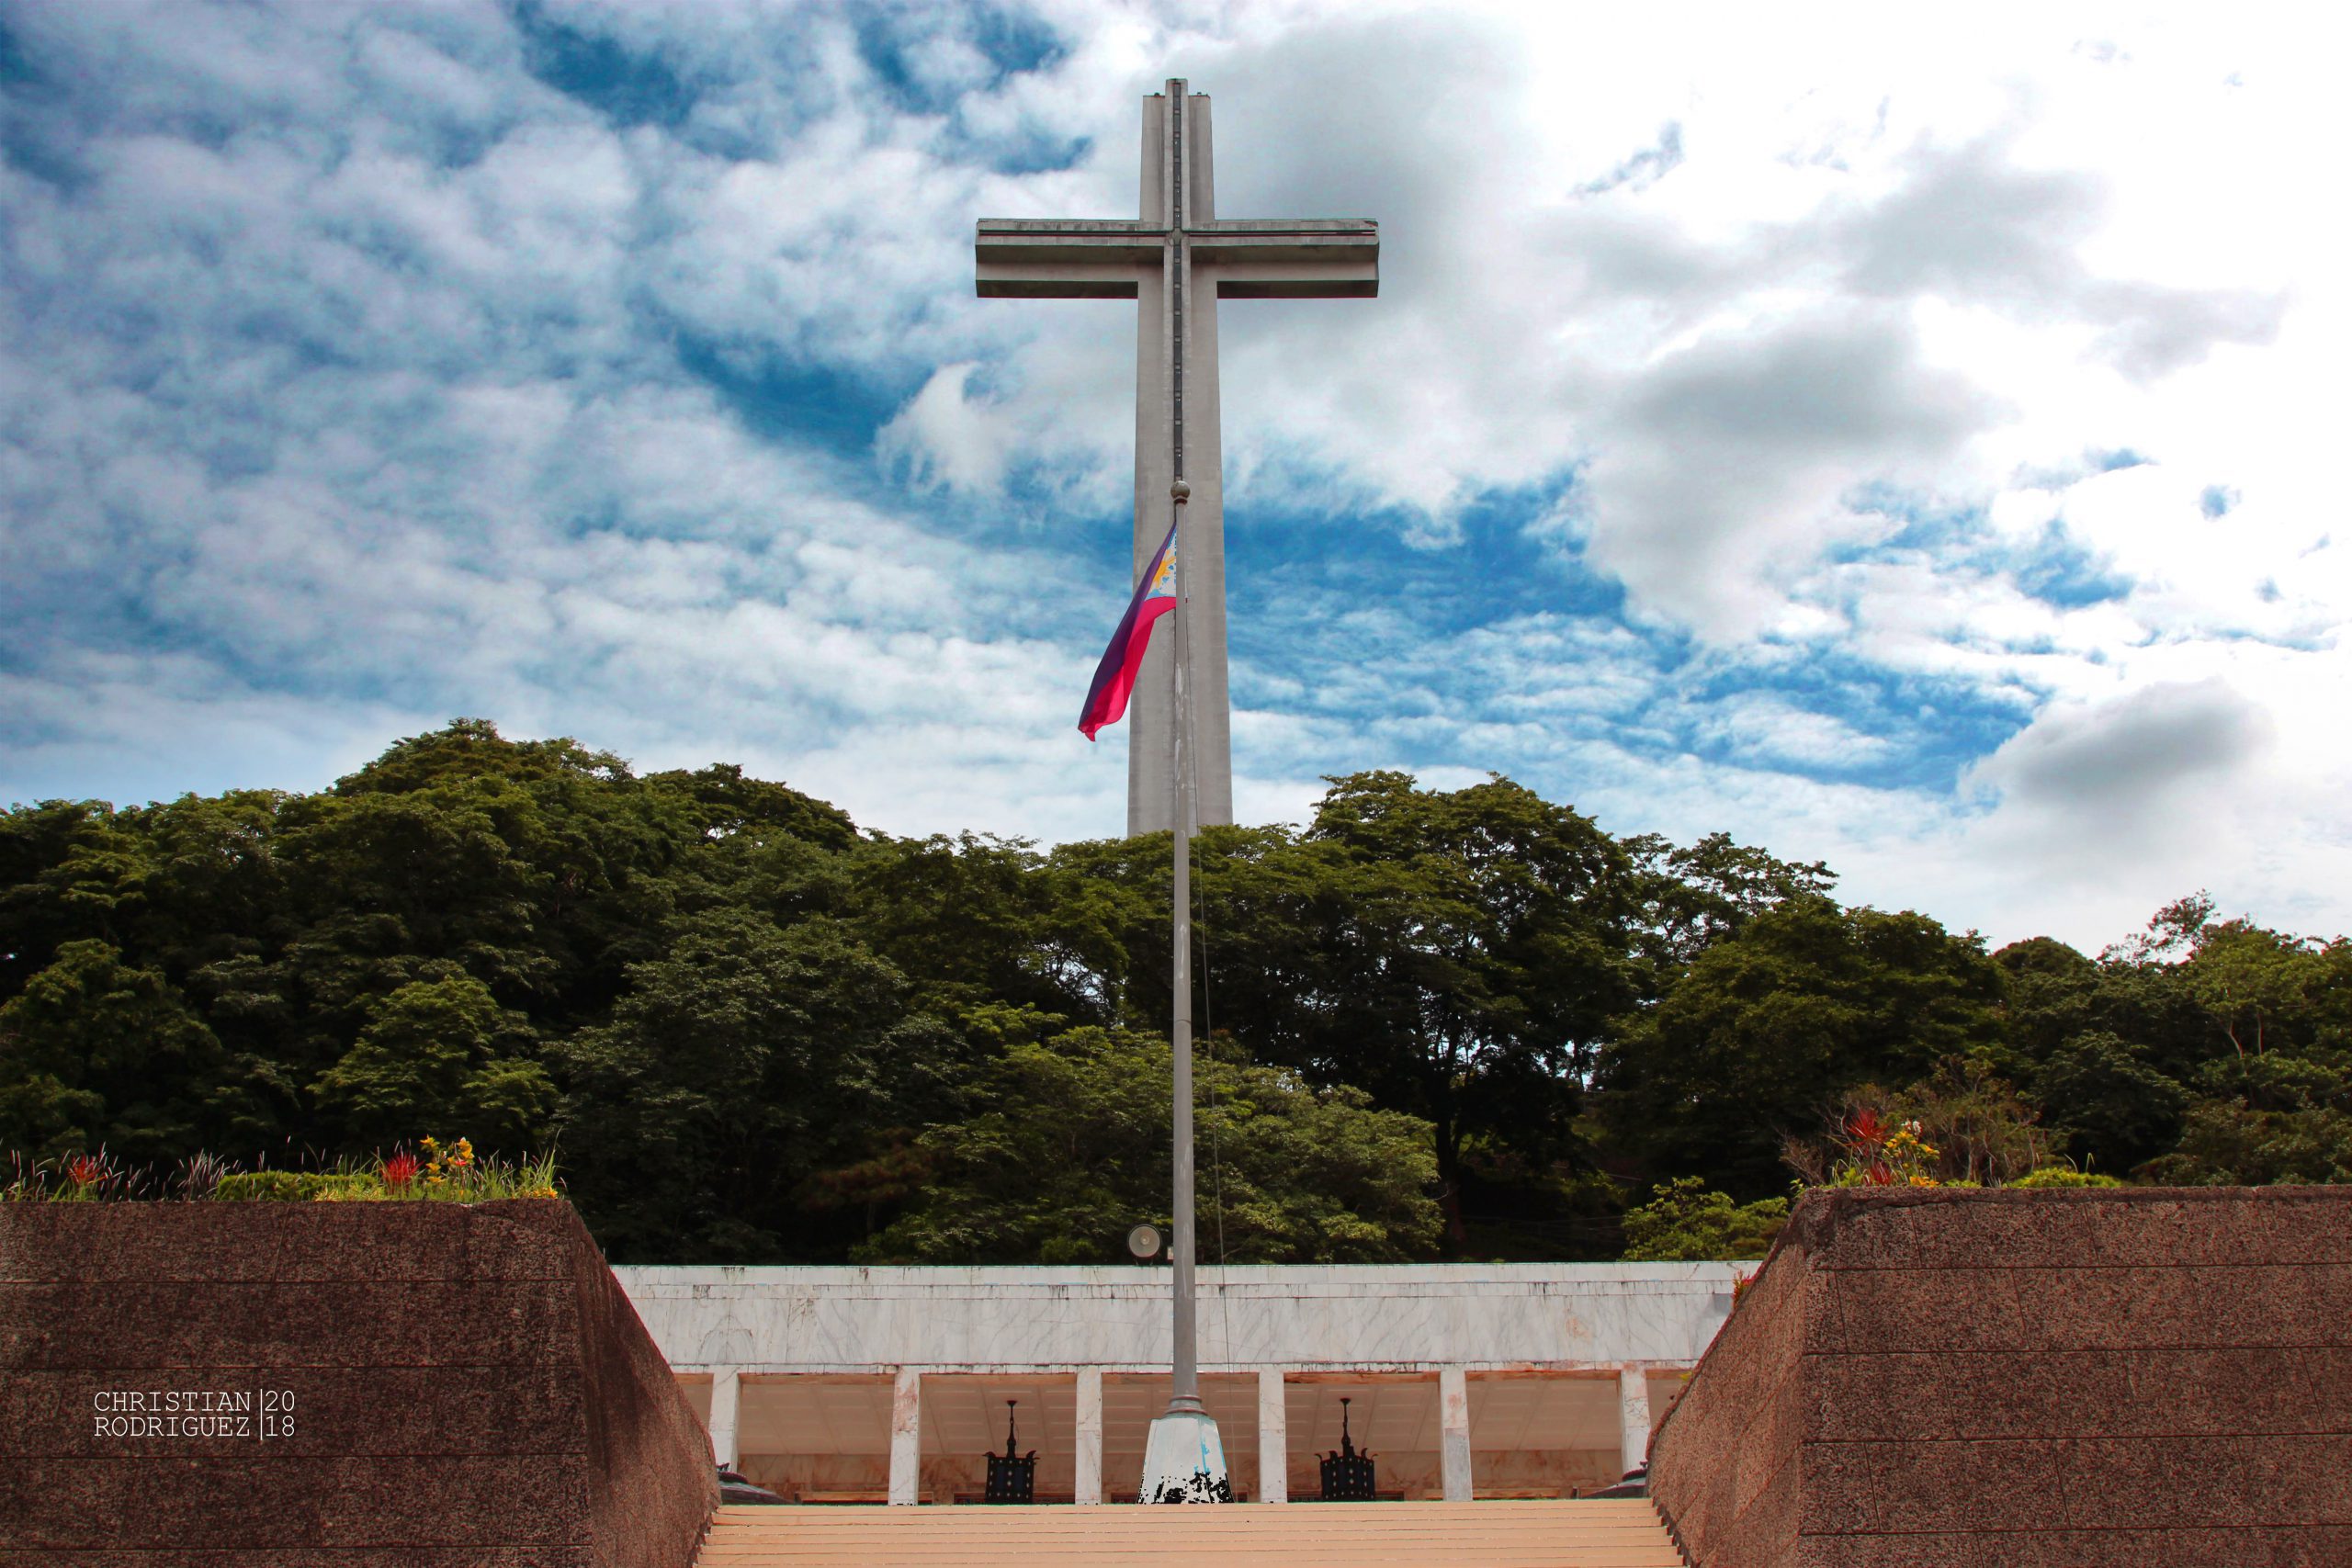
(1185, 1462)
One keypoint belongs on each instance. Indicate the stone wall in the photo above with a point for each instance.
(2097, 1379)
(332, 1385)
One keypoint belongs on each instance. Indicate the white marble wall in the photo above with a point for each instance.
(1563, 1316)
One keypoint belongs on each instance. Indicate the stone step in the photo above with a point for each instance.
(1545, 1533)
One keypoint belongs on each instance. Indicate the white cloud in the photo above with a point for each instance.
(352, 377)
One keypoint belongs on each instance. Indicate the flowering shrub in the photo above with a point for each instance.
(1882, 1152)
(445, 1166)
(452, 1174)
(83, 1174)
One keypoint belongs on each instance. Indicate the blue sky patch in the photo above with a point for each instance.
(2060, 570)
(890, 38)
(1920, 523)
(16, 65)
(627, 89)
(796, 400)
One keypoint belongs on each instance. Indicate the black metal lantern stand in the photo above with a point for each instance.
(1347, 1474)
(1012, 1476)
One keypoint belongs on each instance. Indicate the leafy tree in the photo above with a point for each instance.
(731, 804)
(1466, 962)
(69, 870)
(974, 918)
(738, 1067)
(2229, 1143)
(2254, 985)
(441, 1057)
(2119, 1107)
(1694, 894)
(1457, 954)
(1686, 1221)
(1074, 1150)
(94, 1051)
(1770, 1027)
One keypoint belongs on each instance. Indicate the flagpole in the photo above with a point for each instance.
(1184, 1458)
(1185, 1392)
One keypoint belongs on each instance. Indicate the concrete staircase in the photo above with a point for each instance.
(1592, 1533)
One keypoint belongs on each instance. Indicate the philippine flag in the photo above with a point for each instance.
(1106, 700)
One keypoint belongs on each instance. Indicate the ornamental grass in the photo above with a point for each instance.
(432, 1172)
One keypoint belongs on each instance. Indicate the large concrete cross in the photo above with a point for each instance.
(1177, 261)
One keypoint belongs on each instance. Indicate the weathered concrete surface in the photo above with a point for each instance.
(307, 1384)
(2139, 1376)
(1371, 1318)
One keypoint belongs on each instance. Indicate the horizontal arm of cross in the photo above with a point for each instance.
(1075, 258)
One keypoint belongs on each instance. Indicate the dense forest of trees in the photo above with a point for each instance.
(1442, 1023)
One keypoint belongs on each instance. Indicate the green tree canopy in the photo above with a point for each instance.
(1075, 1150)
(760, 1034)
(1770, 1027)
(95, 1052)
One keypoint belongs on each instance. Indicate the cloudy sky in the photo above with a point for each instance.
(1904, 437)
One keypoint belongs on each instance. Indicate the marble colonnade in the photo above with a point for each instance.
(1468, 1357)
(1458, 1466)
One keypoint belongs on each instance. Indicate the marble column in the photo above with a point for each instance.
(725, 1393)
(1453, 1419)
(1088, 1458)
(1632, 1417)
(906, 1438)
(1274, 1437)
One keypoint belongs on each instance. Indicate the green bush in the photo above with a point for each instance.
(2064, 1175)
(291, 1186)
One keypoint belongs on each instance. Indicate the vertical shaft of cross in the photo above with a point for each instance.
(1176, 437)
(1184, 1392)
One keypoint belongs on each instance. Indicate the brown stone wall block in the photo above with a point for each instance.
(327, 1412)
(2105, 1484)
(401, 1245)
(256, 1504)
(2022, 1379)
(63, 1327)
(2087, 1228)
(427, 1384)
(638, 1444)
(2261, 1306)
(1765, 1532)
(1730, 1445)
(320, 1557)
(2252, 1547)
(2078, 1393)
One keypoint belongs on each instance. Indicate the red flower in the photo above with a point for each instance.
(83, 1170)
(399, 1170)
(1868, 1128)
